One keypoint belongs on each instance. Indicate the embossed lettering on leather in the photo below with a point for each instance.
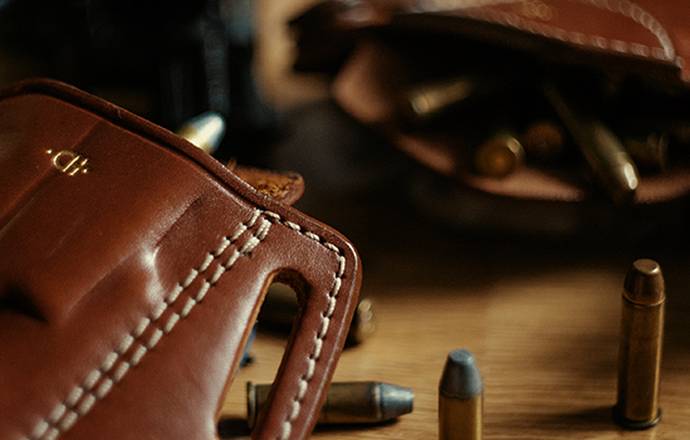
(127, 292)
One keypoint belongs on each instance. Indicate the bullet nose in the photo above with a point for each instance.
(644, 283)
(460, 379)
(396, 401)
(205, 131)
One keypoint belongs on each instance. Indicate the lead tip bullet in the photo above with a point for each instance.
(461, 379)
(395, 401)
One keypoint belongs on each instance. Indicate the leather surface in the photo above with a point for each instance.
(127, 292)
(648, 35)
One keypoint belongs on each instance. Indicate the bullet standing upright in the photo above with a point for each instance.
(460, 398)
(639, 360)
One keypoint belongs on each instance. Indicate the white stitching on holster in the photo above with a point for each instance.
(296, 406)
(82, 398)
(625, 8)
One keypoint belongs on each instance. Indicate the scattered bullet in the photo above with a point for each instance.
(427, 101)
(363, 323)
(346, 402)
(460, 398)
(499, 156)
(611, 165)
(205, 131)
(280, 309)
(639, 358)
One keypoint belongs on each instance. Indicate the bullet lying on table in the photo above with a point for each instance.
(608, 160)
(280, 309)
(346, 402)
(205, 131)
(460, 398)
(639, 358)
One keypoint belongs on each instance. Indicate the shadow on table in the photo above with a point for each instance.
(236, 427)
(233, 427)
(588, 420)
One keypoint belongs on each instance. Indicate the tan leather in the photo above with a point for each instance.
(127, 292)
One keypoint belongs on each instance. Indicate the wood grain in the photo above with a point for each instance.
(541, 318)
(542, 323)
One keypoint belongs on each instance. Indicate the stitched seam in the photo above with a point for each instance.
(81, 399)
(640, 16)
(332, 298)
(625, 8)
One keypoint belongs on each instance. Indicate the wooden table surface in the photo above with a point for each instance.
(542, 321)
(541, 318)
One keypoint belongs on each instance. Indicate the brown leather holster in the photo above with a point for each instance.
(132, 267)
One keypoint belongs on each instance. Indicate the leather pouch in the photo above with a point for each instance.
(380, 48)
(132, 267)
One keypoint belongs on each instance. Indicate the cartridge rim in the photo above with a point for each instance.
(635, 425)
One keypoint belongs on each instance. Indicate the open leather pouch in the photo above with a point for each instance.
(132, 268)
(626, 59)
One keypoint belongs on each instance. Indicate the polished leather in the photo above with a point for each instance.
(127, 292)
(650, 36)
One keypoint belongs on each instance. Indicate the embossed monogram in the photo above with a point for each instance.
(69, 162)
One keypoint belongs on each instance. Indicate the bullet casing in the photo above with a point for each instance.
(363, 322)
(639, 360)
(424, 102)
(346, 402)
(460, 419)
(499, 156)
(608, 160)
